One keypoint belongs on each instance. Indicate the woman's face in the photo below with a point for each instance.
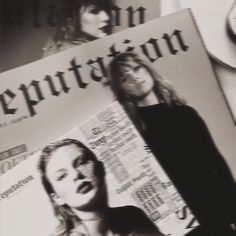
(94, 21)
(73, 176)
(136, 81)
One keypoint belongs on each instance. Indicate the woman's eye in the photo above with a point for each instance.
(80, 162)
(137, 68)
(94, 10)
(61, 177)
(124, 79)
(84, 161)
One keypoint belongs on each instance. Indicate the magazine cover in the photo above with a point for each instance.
(43, 100)
(32, 29)
(99, 179)
(161, 75)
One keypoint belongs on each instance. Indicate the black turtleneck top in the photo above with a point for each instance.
(183, 146)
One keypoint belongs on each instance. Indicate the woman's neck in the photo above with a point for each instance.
(95, 222)
(90, 215)
(99, 227)
(148, 100)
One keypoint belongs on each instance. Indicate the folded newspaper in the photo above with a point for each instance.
(132, 181)
(41, 101)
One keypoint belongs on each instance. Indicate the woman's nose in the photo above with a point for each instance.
(78, 175)
(104, 16)
(133, 76)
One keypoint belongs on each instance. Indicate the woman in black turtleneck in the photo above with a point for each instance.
(180, 141)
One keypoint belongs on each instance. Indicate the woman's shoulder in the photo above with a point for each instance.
(184, 110)
(137, 220)
(127, 212)
(50, 48)
(53, 47)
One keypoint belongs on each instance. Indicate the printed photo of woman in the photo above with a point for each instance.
(80, 21)
(180, 140)
(74, 180)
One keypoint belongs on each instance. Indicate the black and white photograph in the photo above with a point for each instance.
(114, 121)
(74, 180)
(180, 140)
(96, 180)
(34, 29)
(80, 22)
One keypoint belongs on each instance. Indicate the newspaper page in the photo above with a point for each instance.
(29, 27)
(133, 180)
(43, 100)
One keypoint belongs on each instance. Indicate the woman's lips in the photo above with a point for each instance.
(105, 28)
(140, 84)
(84, 187)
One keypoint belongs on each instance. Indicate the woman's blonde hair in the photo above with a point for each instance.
(69, 26)
(65, 215)
(162, 88)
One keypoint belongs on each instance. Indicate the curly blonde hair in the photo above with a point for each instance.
(162, 88)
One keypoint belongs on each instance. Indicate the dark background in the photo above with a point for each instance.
(25, 29)
(26, 26)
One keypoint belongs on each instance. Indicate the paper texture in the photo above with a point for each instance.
(133, 177)
(44, 99)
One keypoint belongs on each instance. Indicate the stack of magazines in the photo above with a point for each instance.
(112, 123)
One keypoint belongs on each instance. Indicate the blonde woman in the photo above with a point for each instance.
(75, 182)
